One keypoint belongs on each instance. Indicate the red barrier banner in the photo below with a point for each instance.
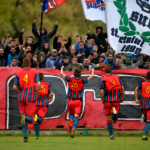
(92, 115)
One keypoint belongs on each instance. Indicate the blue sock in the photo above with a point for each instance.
(110, 128)
(71, 117)
(29, 119)
(114, 117)
(146, 128)
(25, 130)
(75, 124)
(37, 128)
(39, 120)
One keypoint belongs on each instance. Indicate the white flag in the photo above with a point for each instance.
(94, 9)
(128, 25)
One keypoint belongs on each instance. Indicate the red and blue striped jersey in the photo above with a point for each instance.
(112, 85)
(145, 95)
(25, 80)
(45, 90)
(76, 88)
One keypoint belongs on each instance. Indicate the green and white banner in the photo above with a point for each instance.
(128, 25)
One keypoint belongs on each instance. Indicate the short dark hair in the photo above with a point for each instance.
(102, 57)
(30, 37)
(148, 75)
(13, 58)
(81, 42)
(77, 36)
(60, 36)
(26, 62)
(74, 57)
(118, 56)
(12, 40)
(77, 73)
(41, 76)
(111, 54)
(91, 54)
(108, 68)
(34, 54)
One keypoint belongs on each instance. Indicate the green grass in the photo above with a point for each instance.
(78, 143)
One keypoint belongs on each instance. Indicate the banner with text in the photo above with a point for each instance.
(94, 9)
(92, 108)
(128, 25)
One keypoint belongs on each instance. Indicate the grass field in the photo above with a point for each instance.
(78, 143)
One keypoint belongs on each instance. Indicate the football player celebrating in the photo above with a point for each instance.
(112, 93)
(44, 95)
(25, 85)
(75, 96)
(144, 102)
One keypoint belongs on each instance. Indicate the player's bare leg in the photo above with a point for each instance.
(75, 124)
(110, 126)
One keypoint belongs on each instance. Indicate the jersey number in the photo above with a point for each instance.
(42, 89)
(74, 84)
(148, 89)
(25, 79)
(113, 82)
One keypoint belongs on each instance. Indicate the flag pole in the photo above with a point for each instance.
(40, 41)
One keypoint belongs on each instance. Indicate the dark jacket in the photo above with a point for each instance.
(59, 63)
(57, 46)
(3, 61)
(99, 40)
(33, 46)
(21, 56)
(46, 37)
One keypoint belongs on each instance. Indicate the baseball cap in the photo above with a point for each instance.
(54, 51)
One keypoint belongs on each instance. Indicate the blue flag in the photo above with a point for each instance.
(44, 5)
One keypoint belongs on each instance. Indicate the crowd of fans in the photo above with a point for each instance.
(89, 51)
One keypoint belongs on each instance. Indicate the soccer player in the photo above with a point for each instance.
(144, 102)
(25, 85)
(44, 95)
(75, 96)
(112, 93)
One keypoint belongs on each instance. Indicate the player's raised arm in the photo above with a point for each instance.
(91, 76)
(62, 73)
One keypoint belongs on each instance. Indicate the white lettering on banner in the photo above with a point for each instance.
(52, 4)
(128, 24)
(94, 9)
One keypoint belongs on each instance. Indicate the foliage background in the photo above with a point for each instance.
(18, 14)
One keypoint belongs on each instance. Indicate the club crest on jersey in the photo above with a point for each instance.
(96, 4)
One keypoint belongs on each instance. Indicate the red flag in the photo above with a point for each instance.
(52, 4)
